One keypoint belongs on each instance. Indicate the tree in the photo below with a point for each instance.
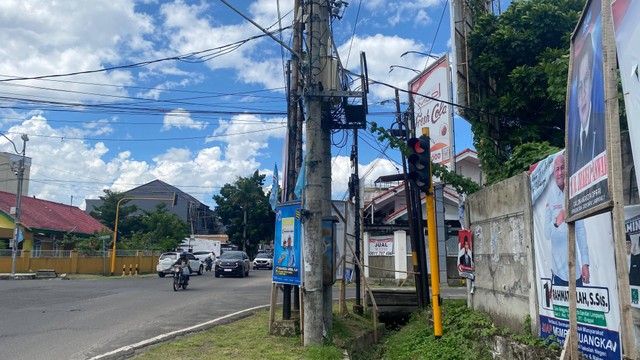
(161, 230)
(244, 209)
(128, 221)
(520, 62)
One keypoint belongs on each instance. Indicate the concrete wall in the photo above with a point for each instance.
(500, 218)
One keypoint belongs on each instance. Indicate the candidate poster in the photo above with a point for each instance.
(430, 97)
(597, 292)
(626, 20)
(632, 243)
(287, 254)
(465, 255)
(587, 162)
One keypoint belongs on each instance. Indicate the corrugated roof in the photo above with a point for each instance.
(48, 215)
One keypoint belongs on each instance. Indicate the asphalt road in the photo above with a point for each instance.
(79, 319)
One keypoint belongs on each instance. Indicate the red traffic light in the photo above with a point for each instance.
(419, 145)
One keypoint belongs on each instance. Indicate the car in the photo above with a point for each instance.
(166, 261)
(263, 261)
(233, 263)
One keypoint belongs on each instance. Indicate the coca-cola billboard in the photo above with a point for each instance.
(431, 97)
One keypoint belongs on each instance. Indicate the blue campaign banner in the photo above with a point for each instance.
(288, 244)
(593, 342)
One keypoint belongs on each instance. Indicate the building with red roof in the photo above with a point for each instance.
(44, 224)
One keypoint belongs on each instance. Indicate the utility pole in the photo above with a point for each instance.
(316, 159)
(355, 185)
(16, 223)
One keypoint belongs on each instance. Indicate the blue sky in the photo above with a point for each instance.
(196, 121)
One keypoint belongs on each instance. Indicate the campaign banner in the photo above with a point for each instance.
(381, 246)
(466, 266)
(632, 230)
(587, 161)
(597, 302)
(431, 109)
(626, 20)
(287, 254)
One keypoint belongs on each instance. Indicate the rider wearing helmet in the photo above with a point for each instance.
(183, 262)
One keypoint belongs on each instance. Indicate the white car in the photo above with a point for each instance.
(263, 261)
(203, 254)
(166, 261)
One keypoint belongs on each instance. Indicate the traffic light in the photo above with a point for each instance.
(420, 162)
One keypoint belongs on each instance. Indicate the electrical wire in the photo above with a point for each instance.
(436, 33)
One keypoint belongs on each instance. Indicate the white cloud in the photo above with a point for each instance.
(180, 118)
(50, 41)
(382, 52)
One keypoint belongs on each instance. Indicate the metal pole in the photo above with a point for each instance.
(104, 258)
(115, 236)
(358, 308)
(433, 258)
(16, 223)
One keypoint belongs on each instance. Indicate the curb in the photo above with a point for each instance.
(129, 350)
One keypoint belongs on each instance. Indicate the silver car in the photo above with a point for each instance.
(166, 261)
(263, 261)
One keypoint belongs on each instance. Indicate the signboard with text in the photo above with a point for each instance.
(431, 97)
(287, 253)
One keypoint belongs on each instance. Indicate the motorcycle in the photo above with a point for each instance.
(208, 264)
(180, 279)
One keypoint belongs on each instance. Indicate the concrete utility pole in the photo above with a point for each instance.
(316, 167)
(16, 222)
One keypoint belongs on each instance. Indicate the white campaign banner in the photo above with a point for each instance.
(632, 229)
(626, 20)
(381, 246)
(597, 291)
(432, 110)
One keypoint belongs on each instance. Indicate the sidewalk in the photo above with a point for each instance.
(40, 274)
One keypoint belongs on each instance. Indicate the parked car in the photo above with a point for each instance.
(233, 263)
(167, 259)
(263, 261)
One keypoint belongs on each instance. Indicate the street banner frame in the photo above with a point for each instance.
(598, 305)
(626, 20)
(287, 256)
(588, 162)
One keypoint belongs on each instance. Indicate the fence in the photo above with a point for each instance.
(80, 262)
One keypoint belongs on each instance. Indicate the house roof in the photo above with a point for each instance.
(47, 215)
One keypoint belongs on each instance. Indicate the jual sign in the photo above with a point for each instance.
(430, 96)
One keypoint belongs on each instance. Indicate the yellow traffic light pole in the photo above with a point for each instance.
(115, 227)
(433, 253)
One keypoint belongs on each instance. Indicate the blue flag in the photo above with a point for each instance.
(273, 199)
(20, 237)
(300, 182)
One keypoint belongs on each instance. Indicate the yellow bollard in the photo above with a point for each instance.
(130, 269)
(124, 269)
(136, 269)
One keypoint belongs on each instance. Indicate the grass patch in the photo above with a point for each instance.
(466, 335)
(249, 339)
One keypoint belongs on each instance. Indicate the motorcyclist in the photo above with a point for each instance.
(183, 262)
(209, 262)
